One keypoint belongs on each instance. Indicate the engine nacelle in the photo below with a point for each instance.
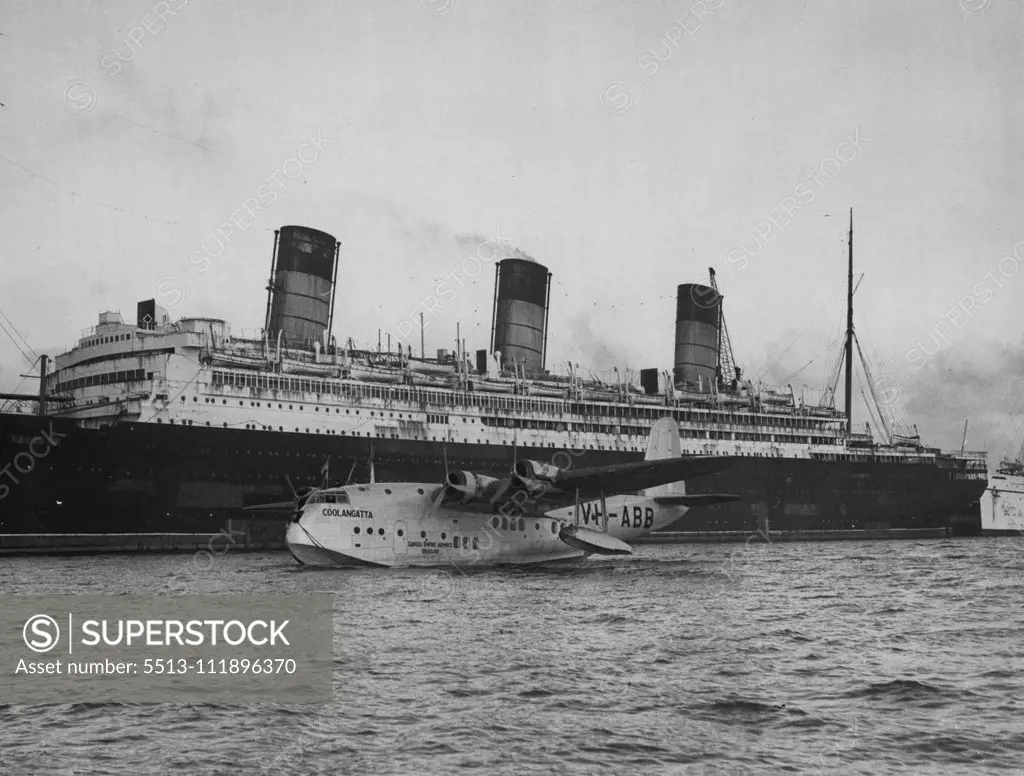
(534, 470)
(472, 487)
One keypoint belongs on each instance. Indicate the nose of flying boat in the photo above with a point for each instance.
(294, 533)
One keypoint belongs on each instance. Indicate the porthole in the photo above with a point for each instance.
(443, 536)
(388, 491)
(401, 533)
(380, 531)
(423, 534)
(356, 529)
(420, 491)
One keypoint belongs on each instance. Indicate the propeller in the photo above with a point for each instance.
(298, 497)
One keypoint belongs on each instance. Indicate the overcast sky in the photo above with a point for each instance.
(627, 146)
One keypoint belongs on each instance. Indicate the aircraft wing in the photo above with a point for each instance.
(637, 475)
(467, 491)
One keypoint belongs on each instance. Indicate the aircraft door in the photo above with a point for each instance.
(400, 538)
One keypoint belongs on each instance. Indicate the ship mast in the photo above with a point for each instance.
(849, 335)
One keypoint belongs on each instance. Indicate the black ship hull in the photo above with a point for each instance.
(141, 477)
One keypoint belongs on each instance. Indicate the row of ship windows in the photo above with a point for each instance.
(431, 418)
(391, 435)
(104, 340)
(380, 435)
(550, 425)
(507, 403)
(126, 376)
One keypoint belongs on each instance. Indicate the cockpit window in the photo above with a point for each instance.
(336, 498)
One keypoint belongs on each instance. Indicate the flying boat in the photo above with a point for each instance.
(540, 513)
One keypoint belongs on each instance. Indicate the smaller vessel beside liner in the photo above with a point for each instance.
(540, 513)
(1002, 503)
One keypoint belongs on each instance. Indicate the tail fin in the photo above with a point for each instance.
(664, 443)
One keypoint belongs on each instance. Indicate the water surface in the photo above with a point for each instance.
(859, 658)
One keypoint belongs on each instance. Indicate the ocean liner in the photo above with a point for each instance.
(177, 425)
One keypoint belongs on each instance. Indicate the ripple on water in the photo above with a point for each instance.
(858, 658)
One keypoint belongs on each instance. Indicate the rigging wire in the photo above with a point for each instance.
(831, 384)
(18, 345)
(793, 375)
(17, 388)
(872, 412)
(108, 205)
(20, 335)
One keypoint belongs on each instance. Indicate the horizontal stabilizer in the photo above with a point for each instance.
(591, 541)
(638, 475)
(696, 499)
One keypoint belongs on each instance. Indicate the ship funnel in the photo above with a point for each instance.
(697, 319)
(522, 290)
(300, 296)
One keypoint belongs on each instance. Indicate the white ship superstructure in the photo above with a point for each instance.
(1002, 503)
(192, 372)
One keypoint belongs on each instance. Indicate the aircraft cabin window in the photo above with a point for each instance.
(401, 532)
(522, 524)
(504, 524)
(476, 544)
(455, 542)
(494, 522)
(423, 534)
(554, 527)
(356, 529)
